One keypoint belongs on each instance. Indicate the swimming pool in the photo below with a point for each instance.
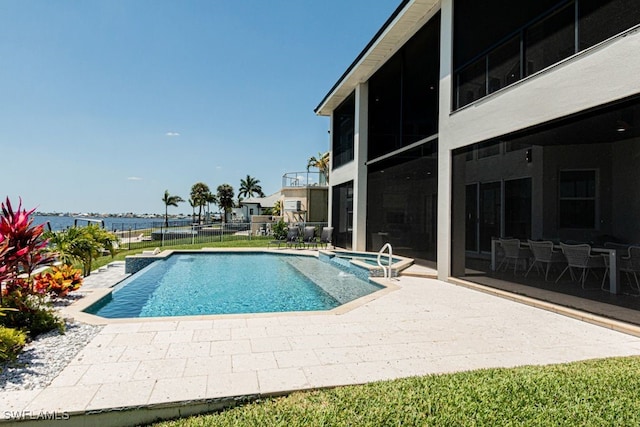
(230, 283)
(365, 264)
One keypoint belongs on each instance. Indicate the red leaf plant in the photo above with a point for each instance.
(24, 248)
(58, 280)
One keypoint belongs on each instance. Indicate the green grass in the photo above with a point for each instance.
(182, 244)
(602, 392)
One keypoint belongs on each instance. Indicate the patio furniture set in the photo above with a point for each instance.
(579, 260)
(307, 239)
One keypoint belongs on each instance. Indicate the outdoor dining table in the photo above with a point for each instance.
(613, 254)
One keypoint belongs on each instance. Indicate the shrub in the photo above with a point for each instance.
(81, 244)
(22, 250)
(33, 312)
(280, 230)
(11, 342)
(59, 281)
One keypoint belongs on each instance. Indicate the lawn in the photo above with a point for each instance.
(183, 244)
(603, 392)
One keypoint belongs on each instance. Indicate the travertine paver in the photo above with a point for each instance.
(425, 326)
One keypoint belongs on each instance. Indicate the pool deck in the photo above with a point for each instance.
(135, 371)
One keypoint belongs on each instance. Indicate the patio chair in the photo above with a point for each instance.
(513, 253)
(326, 236)
(579, 256)
(630, 264)
(309, 237)
(543, 253)
(293, 236)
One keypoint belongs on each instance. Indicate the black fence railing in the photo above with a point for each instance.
(177, 233)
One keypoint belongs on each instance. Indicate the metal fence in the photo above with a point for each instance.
(176, 233)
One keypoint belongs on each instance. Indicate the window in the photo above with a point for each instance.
(578, 199)
(403, 94)
(518, 39)
(342, 214)
(343, 131)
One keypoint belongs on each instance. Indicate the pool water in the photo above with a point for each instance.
(371, 259)
(226, 283)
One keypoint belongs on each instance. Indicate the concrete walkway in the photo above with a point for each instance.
(422, 326)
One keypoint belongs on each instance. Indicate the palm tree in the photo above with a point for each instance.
(199, 195)
(321, 163)
(225, 198)
(169, 201)
(250, 186)
(277, 208)
(193, 205)
(210, 198)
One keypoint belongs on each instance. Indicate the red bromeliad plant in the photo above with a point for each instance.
(25, 248)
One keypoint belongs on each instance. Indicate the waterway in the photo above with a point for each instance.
(110, 223)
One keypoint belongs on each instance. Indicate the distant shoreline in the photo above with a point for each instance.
(96, 215)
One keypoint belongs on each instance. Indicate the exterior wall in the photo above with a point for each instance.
(313, 200)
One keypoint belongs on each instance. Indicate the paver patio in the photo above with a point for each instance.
(424, 326)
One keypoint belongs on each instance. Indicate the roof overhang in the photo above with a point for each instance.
(405, 21)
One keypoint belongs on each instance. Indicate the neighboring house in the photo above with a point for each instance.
(258, 205)
(303, 197)
(464, 120)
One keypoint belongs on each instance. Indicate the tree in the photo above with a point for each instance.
(210, 198)
(277, 208)
(169, 201)
(193, 205)
(321, 163)
(250, 187)
(200, 194)
(225, 198)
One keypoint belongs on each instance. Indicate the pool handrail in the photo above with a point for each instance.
(386, 271)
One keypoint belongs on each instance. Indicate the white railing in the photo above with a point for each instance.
(386, 270)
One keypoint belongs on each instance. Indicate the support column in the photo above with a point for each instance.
(360, 140)
(445, 141)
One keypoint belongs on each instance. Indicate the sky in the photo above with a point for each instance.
(105, 104)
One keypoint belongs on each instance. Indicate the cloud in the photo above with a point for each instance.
(172, 134)
(134, 178)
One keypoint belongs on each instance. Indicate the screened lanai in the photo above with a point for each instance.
(573, 181)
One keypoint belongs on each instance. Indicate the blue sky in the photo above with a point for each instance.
(105, 104)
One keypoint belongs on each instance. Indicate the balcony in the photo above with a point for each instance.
(304, 179)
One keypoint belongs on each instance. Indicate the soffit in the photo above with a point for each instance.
(407, 22)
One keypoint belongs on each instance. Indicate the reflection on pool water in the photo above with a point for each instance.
(228, 283)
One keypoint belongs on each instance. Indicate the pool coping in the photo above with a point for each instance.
(75, 311)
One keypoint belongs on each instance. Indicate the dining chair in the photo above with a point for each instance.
(513, 253)
(580, 257)
(630, 264)
(543, 253)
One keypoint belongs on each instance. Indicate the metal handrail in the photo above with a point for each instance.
(386, 271)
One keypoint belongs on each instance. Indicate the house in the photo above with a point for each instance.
(464, 121)
(303, 198)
